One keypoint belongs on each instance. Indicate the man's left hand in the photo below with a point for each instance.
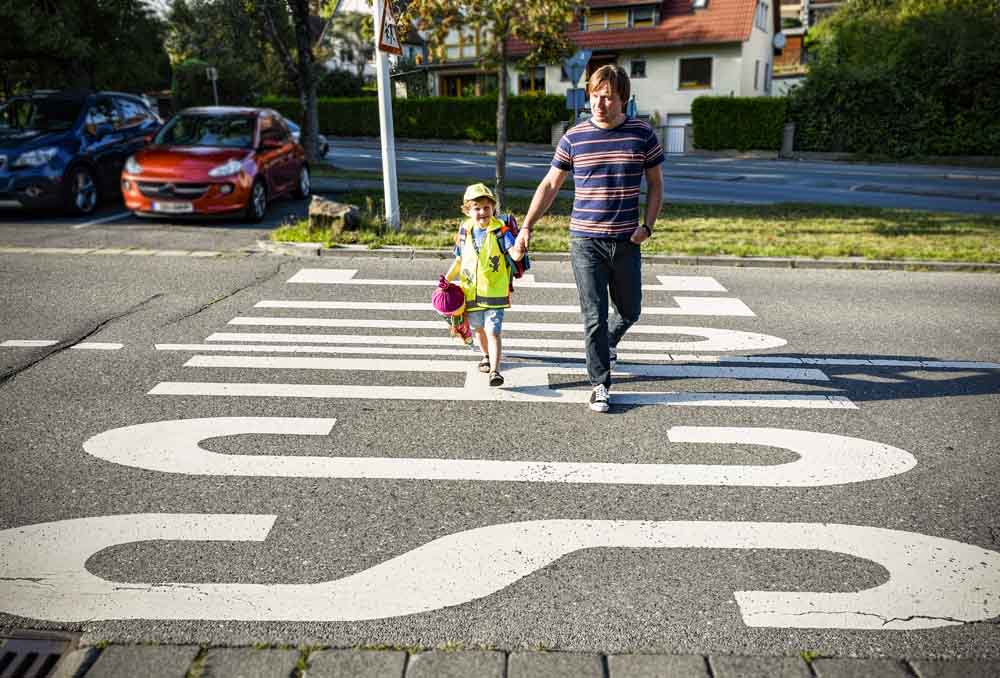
(639, 235)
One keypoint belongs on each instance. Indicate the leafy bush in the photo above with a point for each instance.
(743, 123)
(340, 83)
(529, 118)
(902, 78)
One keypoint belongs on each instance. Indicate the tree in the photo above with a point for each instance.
(903, 78)
(539, 24)
(293, 28)
(353, 32)
(224, 35)
(95, 44)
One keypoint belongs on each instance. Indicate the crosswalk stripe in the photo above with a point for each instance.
(713, 339)
(540, 394)
(699, 306)
(511, 342)
(29, 343)
(340, 276)
(674, 371)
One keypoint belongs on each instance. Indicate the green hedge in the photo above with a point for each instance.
(743, 123)
(529, 118)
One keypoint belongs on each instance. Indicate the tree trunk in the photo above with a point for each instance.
(307, 79)
(501, 169)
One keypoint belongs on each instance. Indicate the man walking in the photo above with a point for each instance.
(608, 154)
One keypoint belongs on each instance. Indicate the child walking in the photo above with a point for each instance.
(483, 261)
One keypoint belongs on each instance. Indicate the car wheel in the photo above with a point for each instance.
(257, 205)
(304, 185)
(81, 191)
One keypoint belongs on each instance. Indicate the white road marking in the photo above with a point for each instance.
(713, 339)
(340, 276)
(97, 346)
(482, 392)
(104, 220)
(173, 447)
(28, 343)
(517, 373)
(508, 342)
(933, 582)
(449, 347)
(708, 306)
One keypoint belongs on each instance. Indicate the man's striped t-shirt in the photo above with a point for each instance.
(608, 166)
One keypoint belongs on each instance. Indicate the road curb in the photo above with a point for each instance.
(402, 252)
(119, 660)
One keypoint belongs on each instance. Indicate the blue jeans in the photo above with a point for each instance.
(601, 266)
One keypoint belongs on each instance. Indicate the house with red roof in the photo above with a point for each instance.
(673, 50)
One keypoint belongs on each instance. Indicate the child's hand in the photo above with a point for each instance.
(517, 251)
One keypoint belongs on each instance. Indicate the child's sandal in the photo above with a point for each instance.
(484, 364)
(496, 379)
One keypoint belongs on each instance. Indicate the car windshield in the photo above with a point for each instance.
(40, 114)
(222, 131)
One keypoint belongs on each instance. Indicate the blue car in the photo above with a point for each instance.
(66, 149)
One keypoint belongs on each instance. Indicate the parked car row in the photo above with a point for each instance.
(68, 150)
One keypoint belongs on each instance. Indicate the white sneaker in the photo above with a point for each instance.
(599, 399)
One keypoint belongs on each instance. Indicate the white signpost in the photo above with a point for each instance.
(387, 40)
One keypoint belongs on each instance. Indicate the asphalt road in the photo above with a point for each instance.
(722, 180)
(292, 512)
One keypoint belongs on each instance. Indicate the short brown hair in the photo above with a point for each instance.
(613, 75)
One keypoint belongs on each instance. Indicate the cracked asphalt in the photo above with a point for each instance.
(678, 600)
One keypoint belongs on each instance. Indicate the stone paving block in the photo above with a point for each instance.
(555, 665)
(657, 666)
(246, 662)
(728, 666)
(75, 663)
(126, 661)
(959, 668)
(356, 664)
(860, 668)
(472, 664)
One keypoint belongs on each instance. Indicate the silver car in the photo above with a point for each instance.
(323, 146)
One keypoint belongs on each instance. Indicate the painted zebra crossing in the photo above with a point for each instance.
(932, 581)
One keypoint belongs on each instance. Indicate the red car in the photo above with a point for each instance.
(216, 160)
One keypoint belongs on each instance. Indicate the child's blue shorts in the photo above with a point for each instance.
(490, 319)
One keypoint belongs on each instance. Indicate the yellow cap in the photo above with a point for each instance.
(478, 191)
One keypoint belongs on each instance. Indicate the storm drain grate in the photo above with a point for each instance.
(32, 654)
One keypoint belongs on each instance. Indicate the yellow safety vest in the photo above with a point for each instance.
(486, 272)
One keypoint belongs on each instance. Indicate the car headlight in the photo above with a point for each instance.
(36, 158)
(230, 168)
(132, 166)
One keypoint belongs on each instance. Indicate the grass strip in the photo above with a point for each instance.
(782, 230)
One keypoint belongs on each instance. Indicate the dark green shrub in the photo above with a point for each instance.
(742, 123)
(529, 118)
(908, 78)
(190, 85)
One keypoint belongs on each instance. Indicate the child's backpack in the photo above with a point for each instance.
(509, 226)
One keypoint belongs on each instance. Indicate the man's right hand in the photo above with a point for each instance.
(523, 238)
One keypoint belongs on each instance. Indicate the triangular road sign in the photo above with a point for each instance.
(388, 40)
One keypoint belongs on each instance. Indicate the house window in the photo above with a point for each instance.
(611, 19)
(760, 18)
(531, 81)
(462, 46)
(468, 85)
(767, 78)
(563, 75)
(638, 68)
(644, 17)
(756, 74)
(695, 73)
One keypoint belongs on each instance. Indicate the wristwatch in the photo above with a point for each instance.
(649, 231)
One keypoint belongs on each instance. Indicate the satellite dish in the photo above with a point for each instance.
(779, 41)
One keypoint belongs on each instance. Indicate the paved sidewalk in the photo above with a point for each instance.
(181, 661)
